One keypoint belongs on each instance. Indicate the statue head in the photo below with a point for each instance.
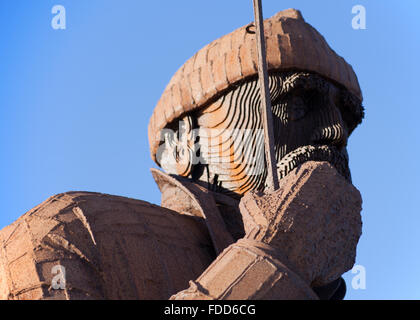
(207, 125)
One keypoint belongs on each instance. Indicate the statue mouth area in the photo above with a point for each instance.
(330, 154)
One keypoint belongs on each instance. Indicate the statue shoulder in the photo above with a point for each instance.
(110, 247)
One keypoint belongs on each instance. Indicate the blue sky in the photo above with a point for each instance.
(75, 104)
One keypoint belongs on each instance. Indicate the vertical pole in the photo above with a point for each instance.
(267, 115)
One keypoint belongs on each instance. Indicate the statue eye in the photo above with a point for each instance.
(297, 108)
(315, 99)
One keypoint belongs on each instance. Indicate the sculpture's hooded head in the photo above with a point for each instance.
(207, 124)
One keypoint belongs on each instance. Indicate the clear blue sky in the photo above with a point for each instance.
(75, 104)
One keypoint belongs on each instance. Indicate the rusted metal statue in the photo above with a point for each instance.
(223, 231)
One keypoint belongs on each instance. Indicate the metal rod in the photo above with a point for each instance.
(272, 176)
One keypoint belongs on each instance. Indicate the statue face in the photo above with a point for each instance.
(312, 121)
(310, 124)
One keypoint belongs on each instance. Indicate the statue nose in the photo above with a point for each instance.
(330, 129)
